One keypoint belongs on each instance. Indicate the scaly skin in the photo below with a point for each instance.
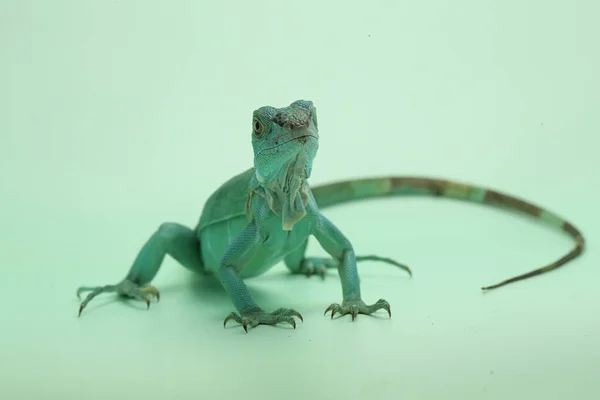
(266, 214)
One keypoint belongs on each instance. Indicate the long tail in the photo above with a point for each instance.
(350, 190)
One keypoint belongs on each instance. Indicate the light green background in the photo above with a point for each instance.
(116, 116)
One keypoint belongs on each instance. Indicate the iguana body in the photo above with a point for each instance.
(267, 213)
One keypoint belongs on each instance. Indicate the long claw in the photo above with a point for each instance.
(83, 289)
(356, 307)
(126, 288)
(232, 316)
(151, 290)
(386, 306)
(93, 293)
(260, 317)
(334, 308)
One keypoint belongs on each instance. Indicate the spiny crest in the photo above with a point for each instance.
(297, 113)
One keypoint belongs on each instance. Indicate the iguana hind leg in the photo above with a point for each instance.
(298, 263)
(178, 241)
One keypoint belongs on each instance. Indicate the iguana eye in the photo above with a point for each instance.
(258, 127)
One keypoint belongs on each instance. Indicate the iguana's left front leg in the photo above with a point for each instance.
(339, 247)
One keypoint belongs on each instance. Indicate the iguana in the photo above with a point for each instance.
(266, 214)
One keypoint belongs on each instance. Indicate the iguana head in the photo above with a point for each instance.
(280, 135)
(285, 142)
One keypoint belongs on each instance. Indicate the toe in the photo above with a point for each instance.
(358, 307)
(383, 304)
(232, 316)
(309, 268)
(334, 308)
(354, 310)
(151, 290)
(290, 321)
(322, 271)
(254, 318)
(251, 322)
(287, 312)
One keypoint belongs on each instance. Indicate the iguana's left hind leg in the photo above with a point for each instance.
(298, 263)
(179, 241)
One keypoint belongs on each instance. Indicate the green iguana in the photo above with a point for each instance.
(267, 213)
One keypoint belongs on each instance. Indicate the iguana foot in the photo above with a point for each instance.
(358, 307)
(125, 288)
(317, 265)
(260, 317)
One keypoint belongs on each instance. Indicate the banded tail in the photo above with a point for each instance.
(350, 190)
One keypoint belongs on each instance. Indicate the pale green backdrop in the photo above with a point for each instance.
(116, 116)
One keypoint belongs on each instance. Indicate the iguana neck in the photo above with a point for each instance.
(287, 192)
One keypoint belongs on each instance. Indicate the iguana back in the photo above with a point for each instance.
(228, 201)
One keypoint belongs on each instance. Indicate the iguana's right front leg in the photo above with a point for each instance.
(234, 259)
(179, 241)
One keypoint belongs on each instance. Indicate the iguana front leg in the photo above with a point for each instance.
(339, 247)
(234, 259)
